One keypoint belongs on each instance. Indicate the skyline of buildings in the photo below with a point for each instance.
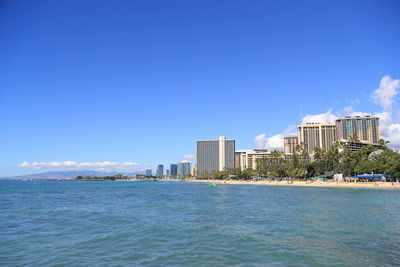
(220, 154)
(183, 168)
(356, 131)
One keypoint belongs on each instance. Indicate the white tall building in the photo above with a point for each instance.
(215, 155)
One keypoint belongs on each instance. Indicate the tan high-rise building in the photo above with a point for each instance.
(364, 129)
(314, 135)
(215, 155)
(290, 143)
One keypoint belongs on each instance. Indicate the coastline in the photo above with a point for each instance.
(378, 185)
(365, 185)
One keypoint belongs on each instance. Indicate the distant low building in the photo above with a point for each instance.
(193, 171)
(184, 168)
(247, 159)
(174, 169)
(149, 172)
(160, 170)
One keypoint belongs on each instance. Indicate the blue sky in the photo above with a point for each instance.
(140, 81)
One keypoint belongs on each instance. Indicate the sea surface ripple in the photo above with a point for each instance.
(81, 223)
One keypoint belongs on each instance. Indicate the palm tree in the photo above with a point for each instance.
(353, 139)
(319, 154)
(301, 153)
(347, 160)
(383, 143)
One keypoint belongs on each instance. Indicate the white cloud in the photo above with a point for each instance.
(72, 165)
(389, 131)
(261, 140)
(392, 134)
(355, 101)
(290, 130)
(385, 96)
(274, 142)
(24, 164)
(327, 117)
(385, 119)
(188, 157)
(348, 110)
(271, 143)
(386, 93)
(130, 164)
(357, 113)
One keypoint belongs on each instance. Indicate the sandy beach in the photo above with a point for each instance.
(378, 185)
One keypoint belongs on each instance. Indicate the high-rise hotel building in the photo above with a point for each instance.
(364, 129)
(215, 155)
(290, 143)
(316, 135)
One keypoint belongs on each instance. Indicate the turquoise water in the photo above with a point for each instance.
(79, 223)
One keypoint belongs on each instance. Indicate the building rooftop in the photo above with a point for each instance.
(357, 117)
(256, 150)
(316, 123)
(216, 140)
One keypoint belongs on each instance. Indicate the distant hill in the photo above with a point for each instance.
(66, 174)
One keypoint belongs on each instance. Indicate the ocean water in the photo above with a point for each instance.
(80, 223)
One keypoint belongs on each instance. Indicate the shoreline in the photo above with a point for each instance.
(364, 185)
(377, 185)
